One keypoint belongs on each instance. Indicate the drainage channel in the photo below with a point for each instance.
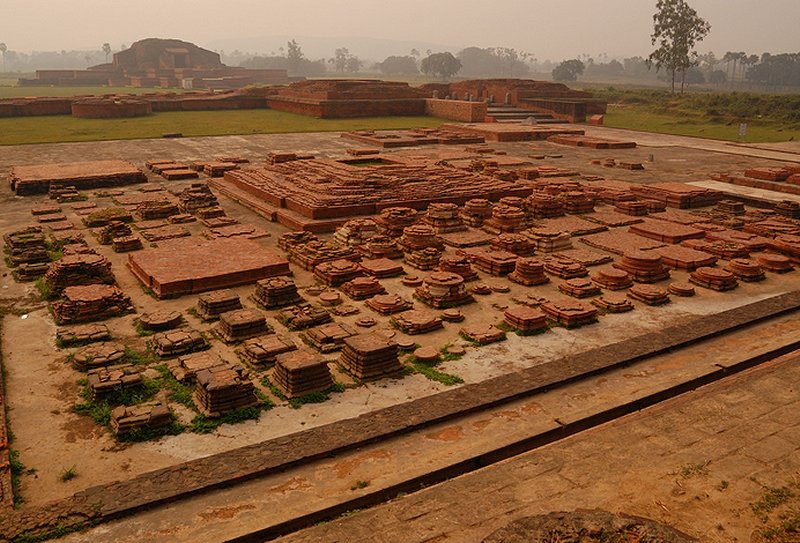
(510, 450)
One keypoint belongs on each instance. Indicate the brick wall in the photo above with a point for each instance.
(456, 110)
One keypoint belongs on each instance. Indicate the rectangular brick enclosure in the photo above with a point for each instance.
(187, 266)
(326, 189)
(36, 179)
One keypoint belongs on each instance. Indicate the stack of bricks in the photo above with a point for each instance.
(746, 269)
(370, 356)
(328, 337)
(424, 259)
(126, 244)
(218, 168)
(649, 294)
(714, 279)
(300, 373)
(381, 268)
(362, 288)
(613, 303)
(788, 245)
(681, 289)
(580, 287)
(419, 236)
(160, 320)
(241, 324)
(156, 209)
(525, 319)
(459, 265)
(443, 218)
(388, 304)
(730, 207)
(643, 267)
(260, 352)
(106, 381)
(88, 303)
(196, 197)
(149, 416)
(788, 208)
(185, 368)
(394, 220)
(113, 230)
(482, 333)
(570, 313)
(82, 334)
(102, 217)
(177, 342)
(211, 305)
(549, 240)
(27, 248)
(544, 206)
(302, 316)
(276, 292)
(443, 289)
(505, 218)
(635, 208)
(564, 268)
(497, 263)
(81, 269)
(214, 217)
(311, 254)
(355, 232)
(722, 249)
(612, 278)
(337, 272)
(61, 192)
(774, 263)
(222, 389)
(95, 356)
(380, 246)
(529, 272)
(518, 244)
(416, 322)
(476, 212)
(576, 202)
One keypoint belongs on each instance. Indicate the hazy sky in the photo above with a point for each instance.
(550, 29)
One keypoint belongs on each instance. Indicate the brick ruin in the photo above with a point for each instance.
(37, 179)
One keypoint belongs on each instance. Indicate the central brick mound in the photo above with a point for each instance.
(36, 179)
(587, 526)
(349, 98)
(187, 266)
(324, 189)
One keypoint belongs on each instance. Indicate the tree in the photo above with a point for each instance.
(339, 59)
(569, 70)
(441, 64)
(107, 50)
(353, 64)
(294, 57)
(3, 49)
(398, 65)
(676, 29)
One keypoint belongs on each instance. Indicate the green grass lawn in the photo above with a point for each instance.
(64, 128)
(640, 118)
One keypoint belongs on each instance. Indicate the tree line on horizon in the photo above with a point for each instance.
(769, 71)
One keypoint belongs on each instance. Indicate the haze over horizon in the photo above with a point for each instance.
(548, 29)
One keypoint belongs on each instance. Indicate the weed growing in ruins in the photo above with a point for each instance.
(100, 412)
(723, 485)
(177, 391)
(446, 355)
(17, 470)
(691, 470)
(140, 330)
(147, 434)
(297, 403)
(67, 474)
(140, 358)
(193, 312)
(505, 327)
(205, 425)
(359, 485)
(44, 290)
(149, 291)
(772, 498)
(430, 372)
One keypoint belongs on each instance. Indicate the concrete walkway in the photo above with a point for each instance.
(696, 462)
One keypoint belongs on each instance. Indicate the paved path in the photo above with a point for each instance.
(696, 462)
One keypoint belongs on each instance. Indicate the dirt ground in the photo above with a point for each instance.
(42, 388)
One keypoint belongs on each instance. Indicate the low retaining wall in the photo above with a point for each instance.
(343, 109)
(110, 109)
